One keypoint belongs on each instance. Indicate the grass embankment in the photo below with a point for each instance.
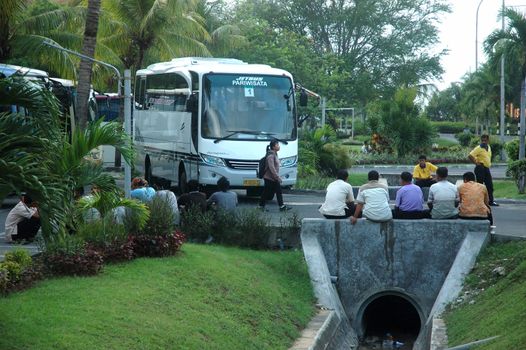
(494, 304)
(207, 297)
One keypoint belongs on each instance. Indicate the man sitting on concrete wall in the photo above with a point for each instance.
(409, 200)
(373, 198)
(339, 200)
(474, 200)
(443, 197)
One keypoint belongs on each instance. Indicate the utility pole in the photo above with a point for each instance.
(502, 93)
(127, 128)
(323, 102)
(522, 123)
(477, 56)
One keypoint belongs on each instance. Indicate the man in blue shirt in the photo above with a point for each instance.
(409, 200)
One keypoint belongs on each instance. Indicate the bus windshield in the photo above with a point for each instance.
(248, 107)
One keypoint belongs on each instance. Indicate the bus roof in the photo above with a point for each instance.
(8, 70)
(203, 65)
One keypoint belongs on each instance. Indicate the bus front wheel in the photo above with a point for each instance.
(148, 170)
(254, 191)
(183, 182)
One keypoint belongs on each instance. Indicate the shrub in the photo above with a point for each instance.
(512, 149)
(162, 217)
(517, 170)
(158, 246)
(70, 255)
(224, 223)
(464, 139)
(289, 226)
(4, 280)
(81, 263)
(244, 228)
(333, 158)
(19, 256)
(116, 250)
(101, 232)
(251, 230)
(447, 127)
(196, 225)
(401, 127)
(14, 270)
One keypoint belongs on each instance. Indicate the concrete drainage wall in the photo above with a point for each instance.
(419, 264)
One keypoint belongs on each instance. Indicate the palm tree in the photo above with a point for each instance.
(511, 42)
(154, 30)
(223, 37)
(88, 49)
(480, 95)
(22, 36)
(36, 156)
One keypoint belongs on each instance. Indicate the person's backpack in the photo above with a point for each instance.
(262, 166)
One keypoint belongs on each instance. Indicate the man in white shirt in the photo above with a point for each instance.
(339, 198)
(23, 221)
(443, 197)
(373, 198)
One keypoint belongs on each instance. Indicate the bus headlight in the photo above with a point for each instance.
(211, 160)
(286, 162)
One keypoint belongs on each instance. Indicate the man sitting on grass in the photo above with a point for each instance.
(373, 198)
(409, 200)
(193, 198)
(224, 199)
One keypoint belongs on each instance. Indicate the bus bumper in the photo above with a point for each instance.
(208, 176)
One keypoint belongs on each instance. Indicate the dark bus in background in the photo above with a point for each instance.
(108, 106)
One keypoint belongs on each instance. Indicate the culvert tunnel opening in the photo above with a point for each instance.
(390, 315)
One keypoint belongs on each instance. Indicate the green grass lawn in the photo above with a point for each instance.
(500, 307)
(506, 189)
(444, 142)
(207, 297)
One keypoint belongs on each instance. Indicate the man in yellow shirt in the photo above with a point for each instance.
(422, 172)
(481, 156)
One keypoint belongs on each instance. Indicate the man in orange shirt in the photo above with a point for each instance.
(474, 200)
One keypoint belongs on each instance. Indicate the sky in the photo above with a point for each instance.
(457, 34)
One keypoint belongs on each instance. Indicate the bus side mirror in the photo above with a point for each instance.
(192, 103)
(304, 98)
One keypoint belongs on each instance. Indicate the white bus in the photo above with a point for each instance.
(203, 118)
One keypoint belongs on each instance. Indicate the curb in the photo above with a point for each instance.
(319, 332)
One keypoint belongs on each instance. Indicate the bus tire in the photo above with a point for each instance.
(254, 191)
(148, 170)
(183, 182)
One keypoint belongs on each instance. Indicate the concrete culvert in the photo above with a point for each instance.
(394, 315)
